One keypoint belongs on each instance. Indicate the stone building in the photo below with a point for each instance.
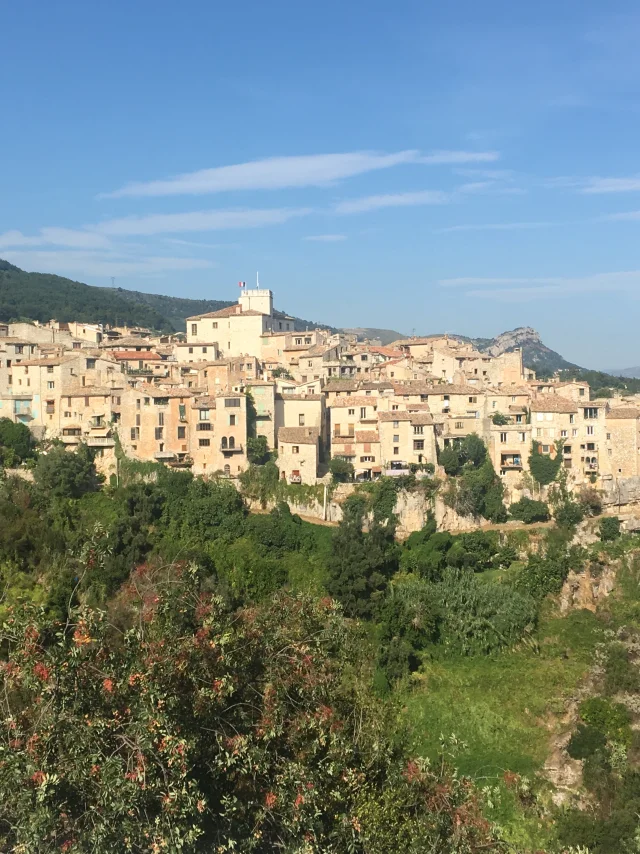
(298, 454)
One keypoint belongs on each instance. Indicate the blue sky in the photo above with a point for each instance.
(466, 167)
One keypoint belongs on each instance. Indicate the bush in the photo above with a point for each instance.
(569, 514)
(591, 501)
(257, 450)
(529, 511)
(341, 470)
(66, 474)
(499, 419)
(449, 459)
(611, 719)
(609, 529)
(16, 442)
(585, 741)
(620, 674)
(544, 468)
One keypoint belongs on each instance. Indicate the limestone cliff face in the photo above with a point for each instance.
(535, 354)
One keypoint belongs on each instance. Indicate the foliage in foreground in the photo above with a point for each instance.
(193, 728)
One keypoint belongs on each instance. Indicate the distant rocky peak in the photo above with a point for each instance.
(523, 336)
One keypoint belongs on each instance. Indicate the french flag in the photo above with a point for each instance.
(242, 284)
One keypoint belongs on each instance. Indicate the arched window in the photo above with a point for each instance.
(224, 442)
(227, 470)
(232, 442)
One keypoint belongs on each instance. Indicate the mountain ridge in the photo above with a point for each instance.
(43, 296)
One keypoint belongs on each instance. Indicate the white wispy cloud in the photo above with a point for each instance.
(486, 174)
(277, 173)
(612, 185)
(392, 200)
(521, 289)
(624, 216)
(326, 238)
(54, 236)
(451, 157)
(496, 226)
(88, 263)
(215, 220)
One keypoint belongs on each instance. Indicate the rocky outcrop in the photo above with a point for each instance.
(584, 590)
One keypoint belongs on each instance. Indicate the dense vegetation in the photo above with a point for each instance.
(174, 667)
(43, 296)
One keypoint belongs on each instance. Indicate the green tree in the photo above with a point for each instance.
(544, 468)
(529, 511)
(64, 474)
(341, 470)
(449, 459)
(499, 419)
(609, 528)
(257, 450)
(16, 442)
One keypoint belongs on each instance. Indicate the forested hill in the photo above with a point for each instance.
(43, 296)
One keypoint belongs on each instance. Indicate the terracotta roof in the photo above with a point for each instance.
(623, 412)
(157, 391)
(204, 402)
(299, 397)
(553, 403)
(422, 418)
(508, 391)
(90, 391)
(391, 352)
(367, 436)
(417, 407)
(396, 416)
(298, 435)
(125, 341)
(341, 402)
(145, 356)
(229, 311)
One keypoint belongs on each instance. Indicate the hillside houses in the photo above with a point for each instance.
(194, 401)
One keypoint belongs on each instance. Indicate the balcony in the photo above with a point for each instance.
(100, 442)
(50, 410)
(70, 440)
(295, 478)
(511, 461)
(236, 449)
(396, 472)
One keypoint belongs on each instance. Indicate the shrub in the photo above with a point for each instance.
(499, 419)
(341, 470)
(569, 514)
(16, 442)
(620, 673)
(591, 501)
(609, 529)
(543, 467)
(257, 450)
(585, 741)
(611, 719)
(529, 511)
(449, 459)
(66, 474)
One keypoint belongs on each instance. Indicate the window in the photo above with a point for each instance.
(445, 397)
(161, 419)
(203, 425)
(473, 400)
(352, 411)
(363, 412)
(396, 451)
(232, 401)
(159, 431)
(232, 421)
(204, 349)
(138, 403)
(608, 435)
(418, 444)
(51, 385)
(523, 437)
(564, 434)
(538, 432)
(191, 349)
(396, 438)
(591, 446)
(367, 459)
(147, 401)
(214, 325)
(591, 412)
(395, 407)
(518, 419)
(581, 392)
(459, 425)
(295, 449)
(418, 429)
(301, 419)
(137, 420)
(590, 430)
(574, 432)
(49, 369)
(135, 433)
(86, 401)
(91, 363)
(204, 415)
(309, 364)
(545, 449)
(204, 443)
(232, 442)
(566, 449)
(503, 438)
(307, 340)
(572, 419)
(194, 328)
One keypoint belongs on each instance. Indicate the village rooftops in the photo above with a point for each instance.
(298, 435)
(367, 436)
(553, 403)
(299, 396)
(134, 355)
(413, 417)
(92, 391)
(623, 412)
(341, 402)
(355, 385)
(229, 311)
(158, 391)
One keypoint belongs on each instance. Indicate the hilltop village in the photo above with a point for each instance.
(194, 401)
